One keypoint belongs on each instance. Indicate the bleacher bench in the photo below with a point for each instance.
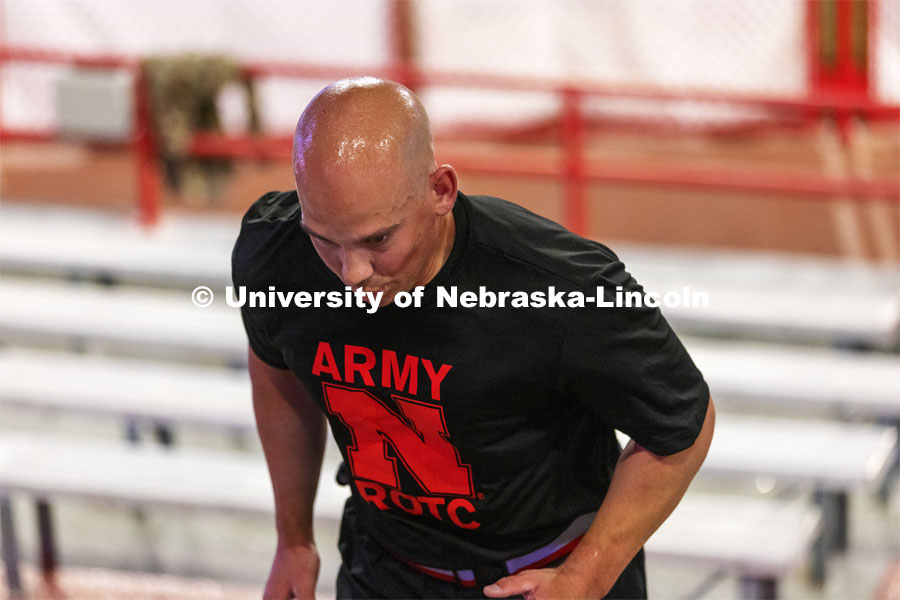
(168, 393)
(181, 250)
(798, 378)
(761, 295)
(53, 468)
(773, 296)
(159, 323)
(830, 455)
(829, 458)
(758, 539)
(167, 324)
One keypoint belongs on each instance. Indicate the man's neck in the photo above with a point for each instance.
(447, 237)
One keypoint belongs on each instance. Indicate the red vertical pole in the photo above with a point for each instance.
(852, 74)
(574, 162)
(845, 42)
(2, 66)
(814, 57)
(871, 44)
(402, 42)
(145, 153)
(813, 41)
(844, 68)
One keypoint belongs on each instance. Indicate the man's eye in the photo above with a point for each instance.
(379, 239)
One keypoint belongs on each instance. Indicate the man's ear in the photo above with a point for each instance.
(444, 185)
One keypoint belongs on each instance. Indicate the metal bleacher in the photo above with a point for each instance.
(96, 319)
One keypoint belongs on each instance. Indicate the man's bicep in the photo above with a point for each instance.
(278, 393)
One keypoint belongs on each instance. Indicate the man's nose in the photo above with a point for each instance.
(355, 267)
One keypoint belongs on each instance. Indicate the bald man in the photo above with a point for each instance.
(478, 437)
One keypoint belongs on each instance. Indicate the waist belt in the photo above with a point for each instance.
(561, 546)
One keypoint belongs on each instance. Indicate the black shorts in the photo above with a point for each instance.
(369, 571)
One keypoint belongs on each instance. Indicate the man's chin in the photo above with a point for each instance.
(387, 297)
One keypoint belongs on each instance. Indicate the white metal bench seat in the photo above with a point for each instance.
(758, 539)
(857, 384)
(95, 384)
(134, 320)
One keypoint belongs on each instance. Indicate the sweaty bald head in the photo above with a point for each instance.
(376, 208)
(363, 126)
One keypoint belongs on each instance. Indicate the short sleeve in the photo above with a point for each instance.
(260, 343)
(248, 254)
(629, 367)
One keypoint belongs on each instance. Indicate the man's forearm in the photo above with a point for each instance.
(294, 456)
(644, 491)
(293, 433)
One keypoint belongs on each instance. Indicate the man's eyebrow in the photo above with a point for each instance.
(367, 238)
(381, 232)
(312, 233)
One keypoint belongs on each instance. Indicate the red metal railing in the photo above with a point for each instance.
(835, 91)
(141, 140)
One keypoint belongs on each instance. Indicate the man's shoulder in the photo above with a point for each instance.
(270, 239)
(273, 208)
(518, 233)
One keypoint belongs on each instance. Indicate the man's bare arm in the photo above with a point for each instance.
(644, 491)
(293, 433)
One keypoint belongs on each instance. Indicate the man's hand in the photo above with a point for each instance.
(540, 584)
(294, 573)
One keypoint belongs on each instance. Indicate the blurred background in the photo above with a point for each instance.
(742, 148)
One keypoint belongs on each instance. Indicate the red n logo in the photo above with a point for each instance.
(420, 440)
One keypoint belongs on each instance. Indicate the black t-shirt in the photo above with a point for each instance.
(474, 434)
